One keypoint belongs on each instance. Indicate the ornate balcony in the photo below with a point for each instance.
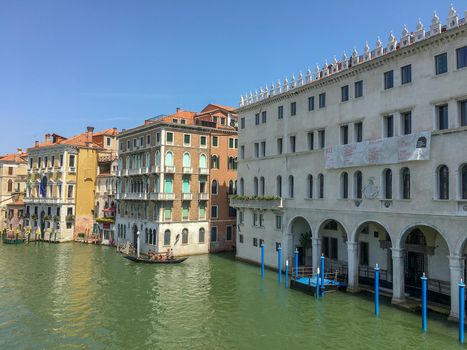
(187, 170)
(156, 169)
(203, 196)
(169, 169)
(162, 196)
(203, 171)
(187, 196)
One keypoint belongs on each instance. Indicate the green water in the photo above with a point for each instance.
(72, 296)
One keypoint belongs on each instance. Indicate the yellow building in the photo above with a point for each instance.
(61, 186)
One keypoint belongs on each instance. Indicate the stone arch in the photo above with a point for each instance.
(398, 242)
(325, 221)
(355, 233)
(297, 227)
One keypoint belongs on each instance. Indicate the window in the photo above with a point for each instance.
(186, 139)
(461, 57)
(279, 185)
(359, 88)
(185, 236)
(388, 80)
(322, 100)
(321, 138)
(261, 186)
(364, 253)
(203, 141)
(214, 187)
(387, 183)
(261, 220)
(311, 103)
(242, 186)
(70, 191)
(232, 143)
(358, 132)
(463, 113)
(311, 140)
(158, 138)
(167, 237)
(321, 185)
(256, 150)
(201, 235)
(280, 112)
(442, 116)
(255, 186)
(405, 183)
(279, 145)
(10, 186)
(310, 186)
(291, 186)
(263, 148)
(441, 63)
(215, 141)
(148, 140)
(406, 74)
(214, 162)
(257, 119)
(292, 144)
(344, 93)
(263, 117)
(167, 212)
(358, 184)
(406, 121)
(229, 233)
(344, 185)
(293, 108)
(255, 242)
(278, 222)
(169, 159)
(240, 238)
(170, 137)
(242, 152)
(255, 219)
(71, 161)
(389, 126)
(242, 123)
(214, 211)
(214, 119)
(240, 217)
(443, 182)
(10, 170)
(330, 247)
(222, 120)
(214, 234)
(344, 134)
(168, 181)
(464, 182)
(175, 120)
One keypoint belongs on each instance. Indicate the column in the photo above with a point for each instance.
(316, 251)
(456, 267)
(398, 282)
(352, 254)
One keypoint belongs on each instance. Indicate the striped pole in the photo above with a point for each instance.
(286, 272)
(296, 263)
(279, 264)
(461, 310)
(322, 274)
(377, 290)
(317, 284)
(262, 260)
(424, 282)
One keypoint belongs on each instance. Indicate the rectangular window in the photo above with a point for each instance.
(406, 121)
(128, 145)
(278, 222)
(322, 100)
(71, 161)
(240, 238)
(389, 126)
(148, 140)
(167, 212)
(214, 234)
(463, 113)
(70, 192)
(186, 139)
(311, 140)
(242, 152)
(229, 233)
(461, 57)
(344, 93)
(406, 74)
(231, 143)
(170, 137)
(279, 145)
(257, 119)
(215, 141)
(292, 144)
(263, 117)
(255, 219)
(359, 89)
(255, 242)
(358, 132)
(242, 123)
(158, 137)
(201, 235)
(364, 253)
(240, 217)
(185, 211)
(214, 211)
(46, 162)
(263, 148)
(52, 161)
(344, 134)
(175, 120)
(388, 80)
(441, 63)
(222, 121)
(311, 103)
(280, 112)
(293, 108)
(261, 220)
(203, 141)
(202, 210)
(321, 139)
(442, 117)
(256, 150)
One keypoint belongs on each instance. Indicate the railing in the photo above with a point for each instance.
(438, 286)
(156, 169)
(310, 272)
(203, 196)
(203, 171)
(169, 169)
(187, 196)
(187, 170)
(162, 196)
(72, 169)
(136, 196)
(369, 272)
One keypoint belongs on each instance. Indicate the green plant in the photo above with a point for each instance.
(106, 220)
(254, 198)
(56, 218)
(47, 217)
(34, 216)
(70, 218)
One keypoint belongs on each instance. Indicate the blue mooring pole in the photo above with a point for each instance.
(279, 264)
(286, 272)
(424, 282)
(322, 274)
(461, 310)
(296, 263)
(377, 290)
(317, 283)
(262, 260)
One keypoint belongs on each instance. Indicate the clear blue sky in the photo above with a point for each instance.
(112, 63)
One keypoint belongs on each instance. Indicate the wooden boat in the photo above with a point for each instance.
(13, 240)
(147, 261)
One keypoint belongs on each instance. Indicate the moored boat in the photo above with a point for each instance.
(149, 261)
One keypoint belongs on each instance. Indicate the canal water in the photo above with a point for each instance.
(72, 296)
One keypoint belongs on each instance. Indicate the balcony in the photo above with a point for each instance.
(135, 196)
(170, 169)
(203, 171)
(187, 170)
(256, 202)
(156, 169)
(72, 169)
(187, 196)
(203, 196)
(162, 196)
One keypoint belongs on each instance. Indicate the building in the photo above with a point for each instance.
(364, 161)
(62, 177)
(13, 169)
(175, 174)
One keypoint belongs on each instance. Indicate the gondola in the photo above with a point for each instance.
(147, 261)
(13, 240)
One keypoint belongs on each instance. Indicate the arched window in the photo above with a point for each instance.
(186, 160)
(255, 186)
(309, 183)
(231, 187)
(146, 236)
(201, 235)
(387, 183)
(291, 186)
(148, 159)
(169, 159)
(158, 158)
(10, 186)
(261, 186)
(167, 237)
(242, 187)
(120, 163)
(279, 185)
(186, 184)
(358, 181)
(156, 184)
(43, 187)
(202, 161)
(345, 185)
(214, 162)
(405, 183)
(443, 182)
(464, 182)
(321, 185)
(168, 188)
(214, 187)
(185, 236)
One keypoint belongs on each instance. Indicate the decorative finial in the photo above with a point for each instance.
(419, 24)
(405, 32)
(344, 56)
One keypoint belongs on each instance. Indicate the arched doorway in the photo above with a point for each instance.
(135, 236)
(333, 240)
(301, 240)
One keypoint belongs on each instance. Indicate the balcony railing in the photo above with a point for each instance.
(72, 169)
(162, 196)
(170, 169)
(256, 202)
(187, 170)
(156, 169)
(187, 196)
(203, 196)
(203, 171)
(136, 196)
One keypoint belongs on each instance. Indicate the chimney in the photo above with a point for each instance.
(20, 151)
(90, 130)
(178, 109)
(36, 143)
(115, 130)
(47, 137)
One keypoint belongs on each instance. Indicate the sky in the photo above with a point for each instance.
(66, 65)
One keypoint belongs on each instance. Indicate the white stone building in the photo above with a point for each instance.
(369, 158)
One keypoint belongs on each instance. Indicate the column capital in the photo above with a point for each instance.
(351, 245)
(315, 240)
(397, 252)
(456, 262)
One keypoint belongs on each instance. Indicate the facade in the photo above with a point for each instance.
(13, 170)
(61, 186)
(174, 177)
(365, 162)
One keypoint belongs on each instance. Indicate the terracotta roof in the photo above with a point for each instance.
(107, 132)
(80, 140)
(210, 106)
(14, 157)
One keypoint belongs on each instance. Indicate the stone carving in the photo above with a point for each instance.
(370, 190)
